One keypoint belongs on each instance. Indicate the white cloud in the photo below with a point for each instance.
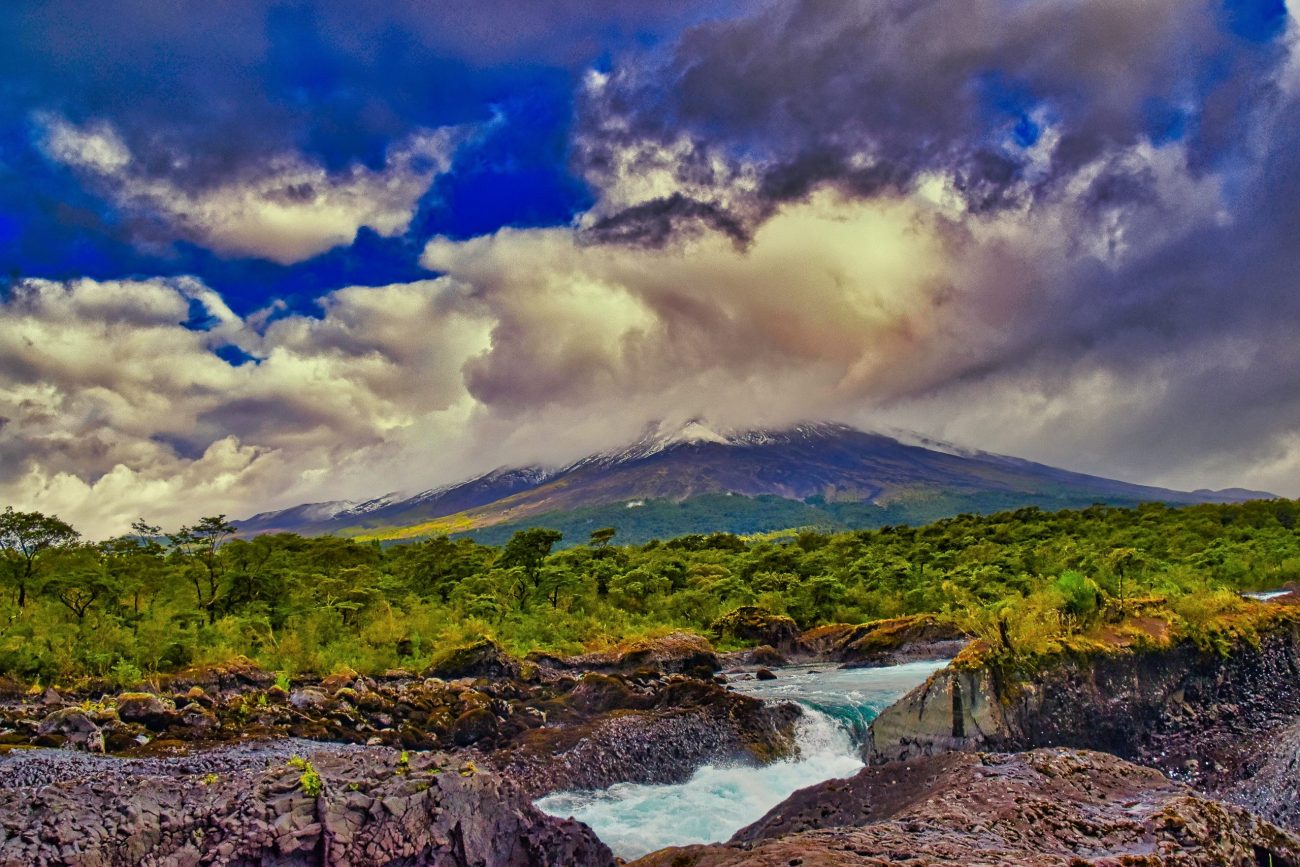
(113, 409)
(289, 210)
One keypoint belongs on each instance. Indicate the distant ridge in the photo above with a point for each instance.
(677, 479)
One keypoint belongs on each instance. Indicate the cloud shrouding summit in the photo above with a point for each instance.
(1064, 230)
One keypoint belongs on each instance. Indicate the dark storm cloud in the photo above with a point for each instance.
(204, 95)
(339, 78)
(656, 222)
(864, 97)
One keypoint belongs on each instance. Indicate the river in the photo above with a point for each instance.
(718, 800)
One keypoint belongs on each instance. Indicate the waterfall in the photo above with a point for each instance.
(718, 800)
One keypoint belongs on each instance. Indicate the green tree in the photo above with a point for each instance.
(199, 548)
(25, 538)
(526, 551)
(80, 579)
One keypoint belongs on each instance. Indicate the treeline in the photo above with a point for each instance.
(154, 601)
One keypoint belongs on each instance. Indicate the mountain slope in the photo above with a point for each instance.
(824, 474)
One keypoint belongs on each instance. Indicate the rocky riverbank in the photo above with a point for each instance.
(1044, 807)
(635, 718)
(1192, 709)
(440, 767)
(278, 802)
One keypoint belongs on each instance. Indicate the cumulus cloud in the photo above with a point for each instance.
(113, 408)
(285, 208)
(867, 98)
(1041, 229)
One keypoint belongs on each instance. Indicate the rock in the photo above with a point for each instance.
(339, 680)
(1040, 807)
(885, 642)
(233, 674)
(1161, 705)
(764, 674)
(147, 709)
(484, 658)
(688, 723)
(249, 808)
(119, 737)
(750, 623)
(596, 693)
(473, 726)
(75, 726)
(309, 699)
(197, 719)
(767, 656)
(675, 653)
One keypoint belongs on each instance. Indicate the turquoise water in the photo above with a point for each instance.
(718, 800)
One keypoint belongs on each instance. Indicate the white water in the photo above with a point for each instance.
(1265, 595)
(634, 819)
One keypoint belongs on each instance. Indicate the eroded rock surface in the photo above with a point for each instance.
(256, 805)
(1051, 806)
(1189, 710)
(884, 642)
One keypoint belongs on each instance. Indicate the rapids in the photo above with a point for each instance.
(718, 800)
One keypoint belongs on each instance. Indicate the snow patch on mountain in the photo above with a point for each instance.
(660, 437)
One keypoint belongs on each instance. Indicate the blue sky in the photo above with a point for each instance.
(229, 89)
(257, 253)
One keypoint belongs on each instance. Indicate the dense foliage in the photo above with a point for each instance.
(645, 520)
(153, 602)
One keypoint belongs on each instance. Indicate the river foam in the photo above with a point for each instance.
(718, 800)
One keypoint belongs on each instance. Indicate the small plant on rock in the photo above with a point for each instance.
(310, 781)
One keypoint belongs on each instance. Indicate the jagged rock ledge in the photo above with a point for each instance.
(1045, 807)
(622, 719)
(257, 804)
(1211, 715)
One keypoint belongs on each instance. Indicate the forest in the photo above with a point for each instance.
(154, 601)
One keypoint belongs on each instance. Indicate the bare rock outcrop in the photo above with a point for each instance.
(1165, 706)
(334, 806)
(884, 642)
(1044, 807)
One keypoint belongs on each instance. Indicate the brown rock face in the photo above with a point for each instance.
(676, 653)
(1162, 707)
(884, 642)
(751, 623)
(149, 710)
(363, 807)
(482, 659)
(1043, 807)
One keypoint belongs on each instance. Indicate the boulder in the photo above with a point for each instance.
(247, 805)
(309, 698)
(483, 658)
(675, 653)
(472, 726)
(197, 720)
(885, 642)
(750, 623)
(339, 680)
(149, 710)
(767, 656)
(234, 674)
(75, 727)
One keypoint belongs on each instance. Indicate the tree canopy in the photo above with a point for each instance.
(153, 601)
